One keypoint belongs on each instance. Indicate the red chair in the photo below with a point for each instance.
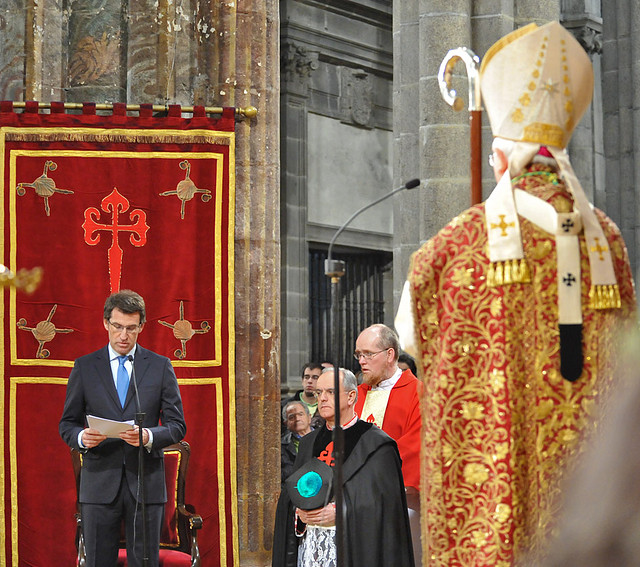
(179, 539)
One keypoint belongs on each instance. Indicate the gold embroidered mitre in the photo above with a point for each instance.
(536, 84)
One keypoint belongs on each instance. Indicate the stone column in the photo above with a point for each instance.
(249, 73)
(621, 101)
(431, 140)
(97, 63)
(406, 145)
(43, 59)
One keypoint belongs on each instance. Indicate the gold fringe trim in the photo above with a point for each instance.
(508, 272)
(604, 297)
(132, 137)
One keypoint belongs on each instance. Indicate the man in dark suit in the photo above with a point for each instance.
(109, 489)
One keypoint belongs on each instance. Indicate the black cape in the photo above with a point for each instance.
(377, 525)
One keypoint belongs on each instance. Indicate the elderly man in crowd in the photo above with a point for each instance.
(297, 419)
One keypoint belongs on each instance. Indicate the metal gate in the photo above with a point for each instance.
(361, 302)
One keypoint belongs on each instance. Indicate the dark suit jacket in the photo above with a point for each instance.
(91, 390)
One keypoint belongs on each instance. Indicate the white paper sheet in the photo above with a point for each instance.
(109, 427)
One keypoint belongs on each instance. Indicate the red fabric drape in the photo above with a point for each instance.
(104, 203)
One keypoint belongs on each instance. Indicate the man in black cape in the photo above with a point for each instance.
(376, 525)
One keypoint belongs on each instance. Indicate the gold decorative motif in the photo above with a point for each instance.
(550, 87)
(472, 410)
(43, 332)
(462, 277)
(502, 225)
(502, 450)
(467, 345)
(503, 511)
(495, 307)
(479, 538)
(460, 219)
(525, 99)
(599, 249)
(497, 380)
(44, 186)
(545, 407)
(475, 473)
(183, 331)
(546, 134)
(542, 249)
(186, 189)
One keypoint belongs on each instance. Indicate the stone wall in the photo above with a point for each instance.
(337, 146)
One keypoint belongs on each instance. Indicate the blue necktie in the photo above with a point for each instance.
(123, 380)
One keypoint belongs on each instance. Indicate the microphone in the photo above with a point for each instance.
(335, 268)
(135, 384)
(141, 488)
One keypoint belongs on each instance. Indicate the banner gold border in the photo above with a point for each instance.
(175, 136)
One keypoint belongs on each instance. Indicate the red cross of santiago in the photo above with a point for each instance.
(116, 204)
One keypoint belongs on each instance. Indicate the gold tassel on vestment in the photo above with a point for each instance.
(508, 272)
(604, 297)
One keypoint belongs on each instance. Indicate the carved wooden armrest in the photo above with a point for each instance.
(195, 523)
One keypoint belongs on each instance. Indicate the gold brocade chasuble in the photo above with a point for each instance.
(500, 423)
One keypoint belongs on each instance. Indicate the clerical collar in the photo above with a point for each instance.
(347, 425)
(389, 383)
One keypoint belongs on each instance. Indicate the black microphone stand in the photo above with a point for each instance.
(335, 269)
(140, 420)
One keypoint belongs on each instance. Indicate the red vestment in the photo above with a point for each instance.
(502, 426)
(402, 422)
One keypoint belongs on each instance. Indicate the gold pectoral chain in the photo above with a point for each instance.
(550, 175)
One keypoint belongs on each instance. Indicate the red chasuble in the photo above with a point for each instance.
(501, 424)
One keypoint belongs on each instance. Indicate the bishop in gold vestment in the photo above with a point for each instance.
(492, 294)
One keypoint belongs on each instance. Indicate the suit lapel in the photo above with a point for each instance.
(140, 366)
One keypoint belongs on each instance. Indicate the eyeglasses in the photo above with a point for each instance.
(367, 355)
(292, 416)
(129, 329)
(329, 391)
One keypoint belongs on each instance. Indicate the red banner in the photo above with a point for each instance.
(104, 203)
